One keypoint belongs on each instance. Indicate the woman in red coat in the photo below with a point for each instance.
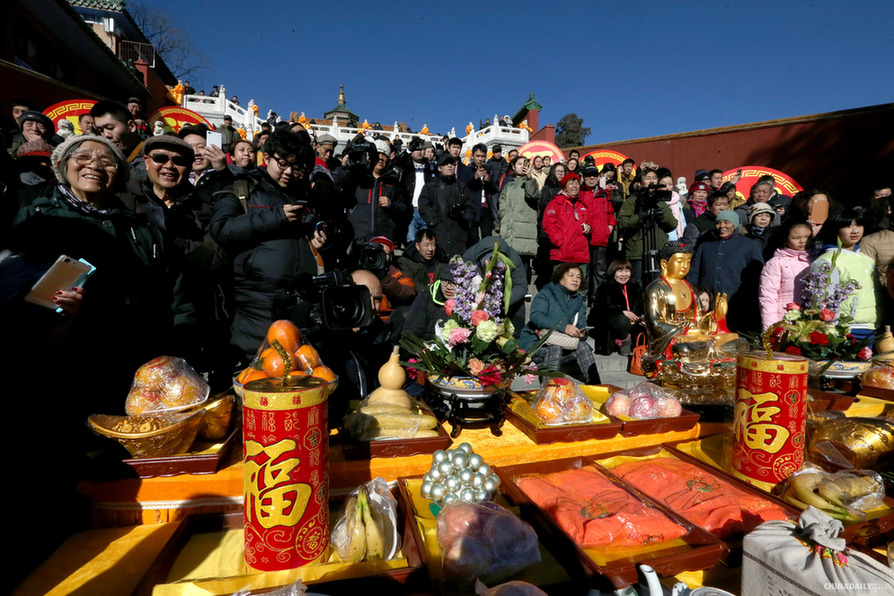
(566, 221)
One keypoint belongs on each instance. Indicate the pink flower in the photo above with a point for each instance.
(792, 306)
(490, 376)
(826, 315)
(475, 366)
(448, 307)
(529, 379)
(479, 316)
(412, 372)
(865, 353)
(479, 297)
(458, 335)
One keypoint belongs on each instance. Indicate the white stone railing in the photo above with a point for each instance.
(214, 109)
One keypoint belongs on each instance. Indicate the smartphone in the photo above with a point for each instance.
(66, 273)
(214, 138)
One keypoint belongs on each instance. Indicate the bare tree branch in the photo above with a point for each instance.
(171, 43)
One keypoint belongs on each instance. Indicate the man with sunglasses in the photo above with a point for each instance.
(173, 205)
(262, 221)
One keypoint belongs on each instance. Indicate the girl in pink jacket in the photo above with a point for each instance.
(781, 276)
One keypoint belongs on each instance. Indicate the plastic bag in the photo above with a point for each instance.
(880, 375)
(515, 588)
(561, 401)
(483, 541)
(390, 421)
(367, 527)
(268, 362)
(846, 495)
(165, 384)
(296, 589)
(645, 401)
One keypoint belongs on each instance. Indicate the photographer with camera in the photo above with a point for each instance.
(264, 222)
(645, 220)
(447, 208)
(375, 206)
(398, 289)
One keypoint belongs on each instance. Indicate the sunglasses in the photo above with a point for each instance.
(178, 160)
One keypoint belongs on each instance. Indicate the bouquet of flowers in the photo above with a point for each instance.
(476, 340)
(814, 328)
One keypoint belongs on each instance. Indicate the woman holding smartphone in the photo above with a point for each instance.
(131, 310)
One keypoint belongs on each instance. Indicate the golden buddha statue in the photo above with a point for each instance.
(687, 347)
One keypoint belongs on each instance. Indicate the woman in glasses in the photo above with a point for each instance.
(129, 311)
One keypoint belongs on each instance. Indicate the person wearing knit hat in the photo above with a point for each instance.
(698, 197)
(36, 148)
(567, 223)
(34, 172)
(135, 284)
(728, 263)
(62, 155)
(34, 125)
(760, 220)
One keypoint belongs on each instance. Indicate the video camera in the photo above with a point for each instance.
(329, 302)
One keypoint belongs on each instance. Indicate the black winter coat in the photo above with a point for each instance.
(270, 255)
(449, 211)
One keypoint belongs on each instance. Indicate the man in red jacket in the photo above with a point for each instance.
(566, 221)
(602, 218)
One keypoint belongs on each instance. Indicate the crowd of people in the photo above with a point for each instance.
(197, 248)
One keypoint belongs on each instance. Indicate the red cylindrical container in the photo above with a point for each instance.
(770, 416)
(285, 473)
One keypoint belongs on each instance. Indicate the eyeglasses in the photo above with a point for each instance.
(178, 160)
(297, 168)
(83, 159)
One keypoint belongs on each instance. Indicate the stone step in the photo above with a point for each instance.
(612, 363)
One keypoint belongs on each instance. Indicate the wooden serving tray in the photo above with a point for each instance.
(695, 550)
(551, 576)
(189, 463)
(409, 579)
(631, 427)
(526, 420)
(869, 532)
(354, 449)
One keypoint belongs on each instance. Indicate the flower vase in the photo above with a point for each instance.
(463, 387)
(468, 402)
(840, 371)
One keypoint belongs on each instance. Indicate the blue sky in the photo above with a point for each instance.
(629, 70)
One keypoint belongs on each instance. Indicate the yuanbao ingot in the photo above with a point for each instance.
(861, 441)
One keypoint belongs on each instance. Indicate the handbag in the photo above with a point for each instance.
(635, 364)
(563, 340)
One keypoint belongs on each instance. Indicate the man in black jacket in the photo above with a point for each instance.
(447, 208)
(261, 220)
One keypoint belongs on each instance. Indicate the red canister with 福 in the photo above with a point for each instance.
(285, 473)
(770, 416)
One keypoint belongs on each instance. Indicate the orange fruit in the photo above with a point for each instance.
(308, 357)
(324, 372)
(286, 333)
(250, 374)
(273, 363)
(548, 411)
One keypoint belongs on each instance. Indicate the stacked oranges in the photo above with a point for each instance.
(302, 358)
